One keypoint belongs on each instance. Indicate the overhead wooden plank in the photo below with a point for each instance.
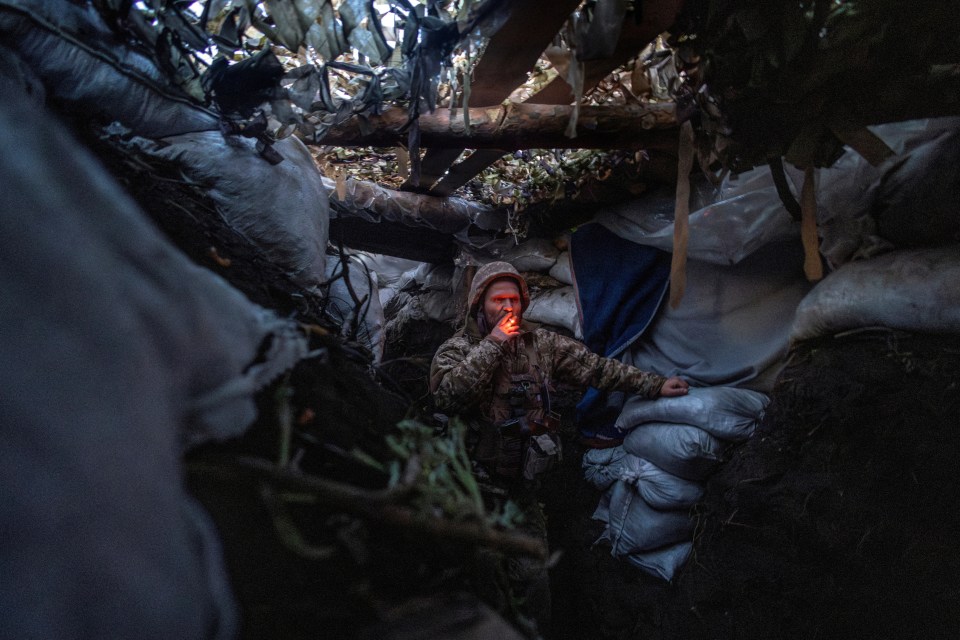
(517, 126)
(514, 49)
(433, 165)
(657, 18)
(462, 172)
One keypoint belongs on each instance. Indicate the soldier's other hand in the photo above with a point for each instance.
(674, 387)
(506, 329)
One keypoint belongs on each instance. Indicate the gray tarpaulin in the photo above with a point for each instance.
(732, 327)
(117, 353)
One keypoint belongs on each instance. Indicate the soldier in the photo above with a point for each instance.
(497, 373)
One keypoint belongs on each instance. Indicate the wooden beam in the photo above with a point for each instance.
(517, 126)
(514, 49)
(657, 18)
(461, 173)
(511, 53)
(434, 164)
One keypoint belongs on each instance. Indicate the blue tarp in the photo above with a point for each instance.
(620, 285)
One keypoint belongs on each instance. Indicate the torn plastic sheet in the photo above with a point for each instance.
(744, 215)
(910, 193)
(454, 216)
(70, 48)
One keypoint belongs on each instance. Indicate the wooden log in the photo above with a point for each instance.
(517, 126)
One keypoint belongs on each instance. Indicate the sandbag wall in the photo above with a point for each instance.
(412, 291)
(651, 481)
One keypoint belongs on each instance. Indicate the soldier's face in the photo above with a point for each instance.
(502, 298)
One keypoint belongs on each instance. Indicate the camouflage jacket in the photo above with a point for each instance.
(472, 376)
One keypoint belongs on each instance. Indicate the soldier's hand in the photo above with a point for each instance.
(506, 329)
(674, 387)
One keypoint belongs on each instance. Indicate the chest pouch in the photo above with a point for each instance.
(528, 442)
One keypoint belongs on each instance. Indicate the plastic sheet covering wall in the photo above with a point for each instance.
(732, 327)
(744, 214)
(84, 67)
(117, 353)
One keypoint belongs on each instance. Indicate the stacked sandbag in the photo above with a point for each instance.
(658, 474)
(915, 290)
(85, 68)
(118, 353)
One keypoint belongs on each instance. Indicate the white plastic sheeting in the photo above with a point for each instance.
(909, 290)
(732, 327)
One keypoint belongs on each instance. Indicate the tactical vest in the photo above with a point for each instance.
(523, 439)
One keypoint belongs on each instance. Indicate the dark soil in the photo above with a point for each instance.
(840, 518)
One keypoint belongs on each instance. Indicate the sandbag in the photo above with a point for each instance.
(538, 254)
(86, 68)
(635, 526)
(658, 488)
(117, 353)
(282, 208)
(915, 290)
(663, 563)
(602, 467)
(557, 307)
(727, 413)
(562, 269)
(682, 450)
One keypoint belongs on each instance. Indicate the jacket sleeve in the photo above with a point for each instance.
(461, 373)
(574, 363)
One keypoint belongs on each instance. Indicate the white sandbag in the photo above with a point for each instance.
(389, 269)
(282, 208)
(727, 413)
(557, 307)
(662, 563)
(917, 290)
(602, 467)
(435, 277)
(562, 269)
(538, 254)
(635, 526)
(658, 488)
(679, 449)
(355, 305)
(117, 353)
